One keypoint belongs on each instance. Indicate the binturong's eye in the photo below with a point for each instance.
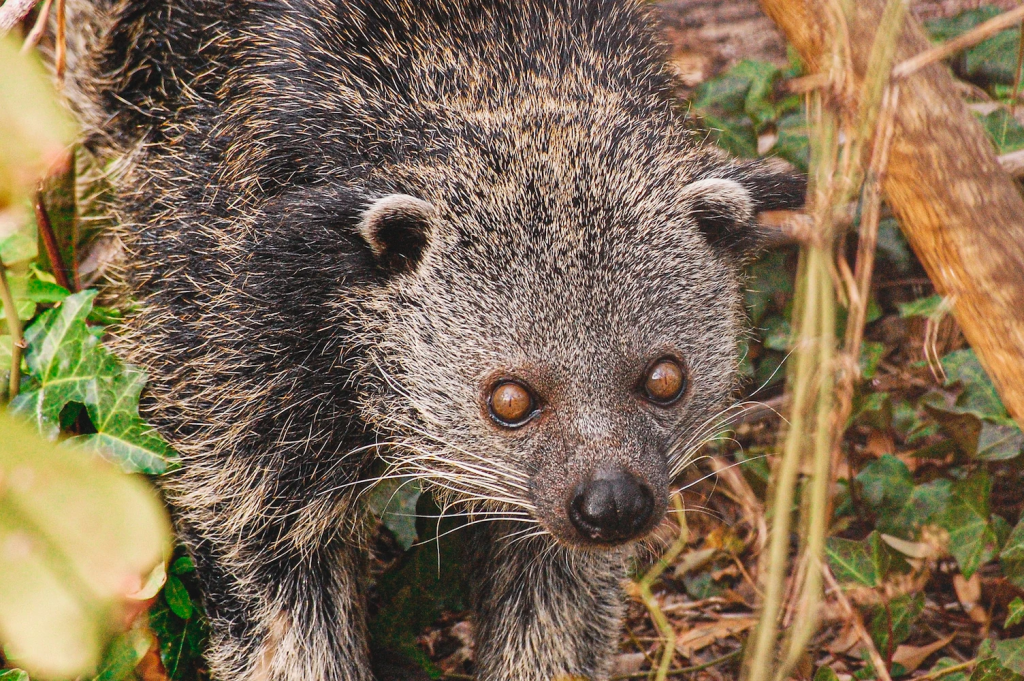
(665, 381)
(511, 404)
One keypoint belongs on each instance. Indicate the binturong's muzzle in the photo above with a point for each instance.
(611, 507)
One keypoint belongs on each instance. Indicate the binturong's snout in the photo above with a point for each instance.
(611, 506)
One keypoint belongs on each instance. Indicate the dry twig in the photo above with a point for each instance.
(976, 35)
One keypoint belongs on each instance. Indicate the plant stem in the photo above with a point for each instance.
(684, 670)
(661, 622)
(14, 325)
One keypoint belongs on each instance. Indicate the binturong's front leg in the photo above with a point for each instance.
(544, 612)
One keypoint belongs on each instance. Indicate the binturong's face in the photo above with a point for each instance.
(561, 337)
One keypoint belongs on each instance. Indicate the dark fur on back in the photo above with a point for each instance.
(576, 230)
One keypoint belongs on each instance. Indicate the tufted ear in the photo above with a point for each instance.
(725, 208)
(724, 211)
(397, 228)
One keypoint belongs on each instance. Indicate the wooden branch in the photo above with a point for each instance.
(12, 12)
(948, 49)
(960, 210)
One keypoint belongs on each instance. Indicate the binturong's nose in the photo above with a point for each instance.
(612, 506)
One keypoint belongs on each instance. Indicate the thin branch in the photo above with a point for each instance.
(38, 28)
(49, 238)
(852, 616)
(1013, 163)
(963, 666)
(14, 326)
(644, 588)
(60, 44)
(685, 670)
(976, 35)
(12, 12)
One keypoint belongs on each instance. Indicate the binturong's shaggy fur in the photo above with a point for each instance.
(466, 240)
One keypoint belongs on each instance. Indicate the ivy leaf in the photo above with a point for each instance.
(929, 307)
(886, 486)
(826, 674)
(181, 641)
(1015, 613)
(183, 565)
(850, 561)
(867, 562)
(926, 505)
(394, 502)
(1011, 558)
(122, 436)
(1010, 653)
(999, 443)
(13, 675)
(946, 663)
(991, 669)
(972, 541)
(979, 395)
(896, 617)
(124, 655)
(177, 597)
(871, 355)
(63, 360)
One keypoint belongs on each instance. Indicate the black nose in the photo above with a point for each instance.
(611, 506)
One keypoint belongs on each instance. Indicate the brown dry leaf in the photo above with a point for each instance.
(846, 642)
(879, 443)
(911, 657)
(968, 592)
(705, 634)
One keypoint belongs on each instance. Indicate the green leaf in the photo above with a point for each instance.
(63, 360)
(733, 133)
(979, 395)
(871, 355)
(767, 279)
(946, 663)
(932, 306)
(872, 409)
(75, 535)
(972, 541)
(886, 486)
(851, 562)
(926, 505)
(893, 251)
(122, 436)
(177, 597)
(867, 562)
(124, 655)
(777, 333)
(183, 565)
(13, 675)
(825, 674)
(1011, 558)
(182, 642)
(898, 617)
(1004, 131)
(999, 443)
(1010, 653)
(991, 669)
(793, 143)
(1014, 613)
(20, 245)
(394, 502)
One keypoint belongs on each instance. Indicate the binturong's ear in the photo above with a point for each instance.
(726, 207)
(397, 228)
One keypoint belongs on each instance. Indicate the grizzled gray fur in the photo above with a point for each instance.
(454, 239)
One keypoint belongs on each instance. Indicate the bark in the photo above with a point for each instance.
(960, 210)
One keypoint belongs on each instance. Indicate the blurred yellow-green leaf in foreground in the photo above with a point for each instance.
(77, 538)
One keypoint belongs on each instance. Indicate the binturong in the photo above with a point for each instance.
(468, 241)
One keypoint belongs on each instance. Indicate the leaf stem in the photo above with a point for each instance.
(14, 325)
(644, 587)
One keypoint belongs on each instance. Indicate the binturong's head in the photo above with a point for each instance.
(555, 325)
